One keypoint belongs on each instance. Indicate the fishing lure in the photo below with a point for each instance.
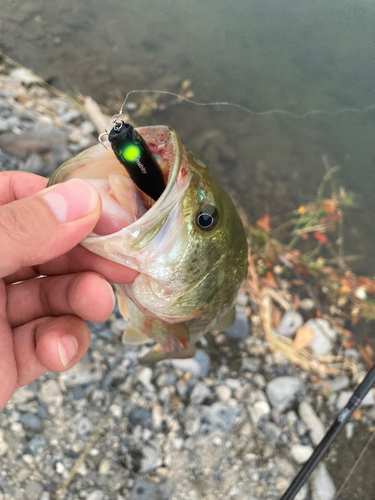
(133, 153)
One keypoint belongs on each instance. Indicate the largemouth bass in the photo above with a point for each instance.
(189, 246)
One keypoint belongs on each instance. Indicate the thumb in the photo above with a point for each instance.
(41, 227)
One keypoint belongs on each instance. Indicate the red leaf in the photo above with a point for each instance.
(321, 238)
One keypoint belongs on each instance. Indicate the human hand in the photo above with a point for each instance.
(42, 323)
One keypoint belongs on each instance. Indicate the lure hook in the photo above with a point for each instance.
(100, 138)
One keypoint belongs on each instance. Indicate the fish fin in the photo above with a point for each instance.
(123, 306)
(227, 320)
(178, 331)
(157, 353)
(132, 336)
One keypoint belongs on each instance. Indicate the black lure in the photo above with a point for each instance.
(133, 153)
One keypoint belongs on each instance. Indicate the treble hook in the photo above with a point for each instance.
(100, 138)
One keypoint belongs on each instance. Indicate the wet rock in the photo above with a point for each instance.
(33, 490)
(322, 485)
(301, 453)
(50, 393)
(31, 421)
(289, 324)
(324, 336)
(281, 391)
(141, 416)
(312, 422)
(198, 366)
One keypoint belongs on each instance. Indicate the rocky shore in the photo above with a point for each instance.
(237, 421)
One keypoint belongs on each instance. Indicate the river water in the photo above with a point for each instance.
(296, 55)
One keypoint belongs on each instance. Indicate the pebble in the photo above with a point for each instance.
(324, 336)
(151, 459)
(50, 393)
(322, 485)
(272, 432)
(199, 393)
(219, 416)
(259, 411)
(192, 421)
(312, 422)
(301, 453)
(22, 395)
(223, 392)
(282, 391)
(3, 445)
(84, 426)
(198, 366)
(96, 495)
(241, 327)
(33, 490)
(251, 364)
(30, 420)
(289, 324)
(104, 466)
(344, 397)
(37, 443)
(339, 383)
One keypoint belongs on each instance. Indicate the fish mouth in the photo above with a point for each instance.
(123, 203)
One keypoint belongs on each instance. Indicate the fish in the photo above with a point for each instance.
(189, 246)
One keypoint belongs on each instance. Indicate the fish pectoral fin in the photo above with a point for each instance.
(227, 320)
(157, 353)
(178, 331)
(123, 306)
(132, 336)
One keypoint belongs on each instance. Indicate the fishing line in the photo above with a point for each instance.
(251, 111)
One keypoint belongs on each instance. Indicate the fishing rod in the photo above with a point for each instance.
(322, 448)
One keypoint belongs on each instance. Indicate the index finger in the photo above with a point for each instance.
(18, 185)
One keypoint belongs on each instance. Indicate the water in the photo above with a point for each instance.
(295, 55)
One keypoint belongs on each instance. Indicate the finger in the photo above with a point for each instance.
(86, 295)
(49, 344)
(77, 260)
(8, 367)
(41, 227)
(18, 185)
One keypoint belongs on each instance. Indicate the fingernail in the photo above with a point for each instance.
(111, 291)
(71, 200)
(67, 347)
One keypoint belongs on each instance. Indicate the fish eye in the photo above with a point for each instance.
(207, 218)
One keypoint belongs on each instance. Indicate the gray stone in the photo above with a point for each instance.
(3, 444)
(322, 484)
(282, 391)
(301, 453)
(38, 442)
(312, 422)
(324, 336)
(339, 383)
(219, 416)
(31, 421)
(259, 411)
(96, 495)
(223, 392)
(144, 490)
(34, 164)
(33, 490)
(240, 328)
(344, 397)
(272, 432)
(289, 324)
(199, 393)
(192, 421)
(4, 125)
(198, 366)
(151, 459)
(84, 426)
(251, 364)
(22, 395)
(50, 393)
